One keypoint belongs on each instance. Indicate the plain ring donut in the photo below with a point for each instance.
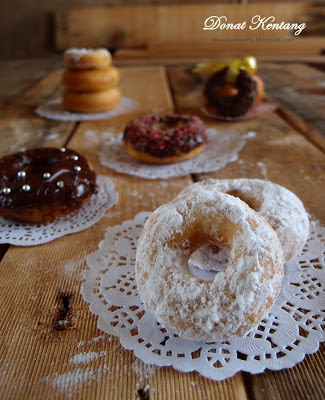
(237, 299)
(91, 102)
(282, 209)
(76, 58)
(84, 80)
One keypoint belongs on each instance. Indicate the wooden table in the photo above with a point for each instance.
(44, 320)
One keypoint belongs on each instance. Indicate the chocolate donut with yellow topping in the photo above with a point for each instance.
(231, 100)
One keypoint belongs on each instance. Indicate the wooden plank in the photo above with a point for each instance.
(21, 128)
(136, 57)
(18, 75)
(300, 89)
(142, 26)
(301, 382)
(312, 46)
(111, 27)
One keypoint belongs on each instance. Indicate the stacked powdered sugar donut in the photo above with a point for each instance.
(90, 81)
(249, 226)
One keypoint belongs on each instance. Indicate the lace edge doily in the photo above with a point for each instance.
(24, 234)
(96, 298)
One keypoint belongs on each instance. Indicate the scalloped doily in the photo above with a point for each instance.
(293, 327)
(54, 109)
(257, 110)
(222, 148)
(24, 234)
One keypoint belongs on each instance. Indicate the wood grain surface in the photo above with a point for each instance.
(51, 347)
(176, 30)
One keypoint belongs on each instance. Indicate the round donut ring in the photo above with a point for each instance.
(43, 184)
(237, 298)
(87, 58)
(164, 139)
(232, 106)
(85, 80)
(91, 102)
(281, 208)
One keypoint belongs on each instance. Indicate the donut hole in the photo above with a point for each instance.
(164, 126)
(228, 90)
(208, 260)
(249, 200)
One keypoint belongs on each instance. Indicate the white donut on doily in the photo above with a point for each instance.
(292, 328)
(282, 209)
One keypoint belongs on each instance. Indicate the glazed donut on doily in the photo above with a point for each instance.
(237, 299)
(85, 80)
(164, 139)
(232, 101)
(281, 208)
(87, 58)
(43, 184)
(91, 102)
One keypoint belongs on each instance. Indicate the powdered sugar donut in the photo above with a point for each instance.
(82, 58)
(237, 298)
(282, 209)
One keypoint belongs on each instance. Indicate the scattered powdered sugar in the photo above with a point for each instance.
(95, 340)
(78, 52)
(72, 380)
(72, 267)
(250, 135)
(263, 168)
(72, 57)
(141, 368)
(86, 357)
(220, 309)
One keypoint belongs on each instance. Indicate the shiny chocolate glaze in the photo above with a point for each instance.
(40, 176)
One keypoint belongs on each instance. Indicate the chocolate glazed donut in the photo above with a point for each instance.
(40, 185)
(232, 106)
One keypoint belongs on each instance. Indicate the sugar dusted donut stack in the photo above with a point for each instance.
(90, 81)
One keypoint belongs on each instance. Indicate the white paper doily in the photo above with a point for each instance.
(24, 234)
(54, 109)
(293, 328)
(222, 148)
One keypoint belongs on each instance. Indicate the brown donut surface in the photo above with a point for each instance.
(231, 106)
(163, 136)
(42, 184)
